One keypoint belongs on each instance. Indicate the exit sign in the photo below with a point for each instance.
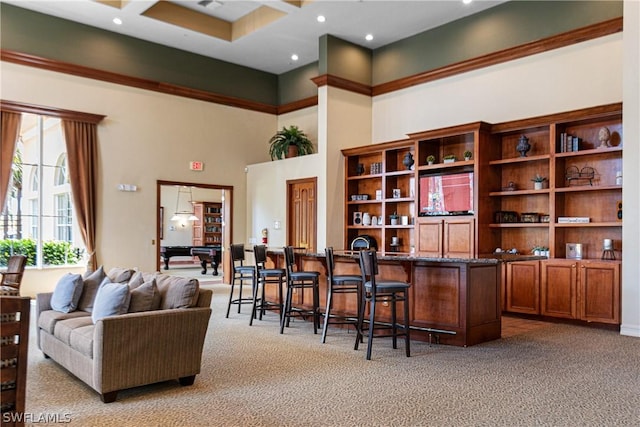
(196, 166)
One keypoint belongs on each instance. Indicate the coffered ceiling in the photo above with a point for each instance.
(261, 34)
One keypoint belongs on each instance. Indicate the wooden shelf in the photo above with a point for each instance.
(440, 166)
(590, 152)
(589, 224)
(521, 225)
(519, 192)
(581, 188)
(539, 157)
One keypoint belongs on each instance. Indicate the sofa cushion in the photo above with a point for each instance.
(136, 280)
(120, 275)
(112, 299)
(92, 281)
(145, 297)
(81, 339)
(48, 318)
(63, 328)
(177, 292)
(67, 293)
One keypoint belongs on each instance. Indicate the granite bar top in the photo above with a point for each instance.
(416, 257)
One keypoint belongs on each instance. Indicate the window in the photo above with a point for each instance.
(38, 219)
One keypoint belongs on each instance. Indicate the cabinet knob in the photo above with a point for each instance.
(573, 266)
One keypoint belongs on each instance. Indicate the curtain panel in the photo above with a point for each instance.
(10, 127)
(82, 152)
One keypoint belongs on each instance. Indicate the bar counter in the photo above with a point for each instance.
(454, 301)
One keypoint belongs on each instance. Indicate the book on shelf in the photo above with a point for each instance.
(573, 219)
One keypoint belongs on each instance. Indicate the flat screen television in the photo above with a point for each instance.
(450, 194)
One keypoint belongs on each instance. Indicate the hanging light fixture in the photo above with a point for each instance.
(182, 214)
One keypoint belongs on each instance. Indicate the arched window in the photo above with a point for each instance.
(34, 180)
(61, 175)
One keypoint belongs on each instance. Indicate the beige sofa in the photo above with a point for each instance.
(133, 349)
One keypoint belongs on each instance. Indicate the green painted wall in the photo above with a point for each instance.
(506, 25)
(59, 39)
(296, 84)
(344, 59)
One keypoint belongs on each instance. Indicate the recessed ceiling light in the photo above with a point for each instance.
(368, 37)
(294, 57)
(466, 1)
(117, 21)
(321, 18)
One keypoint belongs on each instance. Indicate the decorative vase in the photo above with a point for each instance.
(360, 169)
(394, 221)
(366, 219)
(523, 146)
(408, 161)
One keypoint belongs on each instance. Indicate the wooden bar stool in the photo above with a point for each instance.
(300, 280)
(241, 274)
(391, 291)
(340, 284)
(266, 276)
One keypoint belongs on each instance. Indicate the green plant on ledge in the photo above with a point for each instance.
(538, 178)
(449, 157)
(467, 155)
(289, 142)
(431, 159)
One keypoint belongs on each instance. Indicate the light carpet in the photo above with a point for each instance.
(556, 375)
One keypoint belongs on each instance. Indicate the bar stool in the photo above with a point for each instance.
(340, 284)
(391, 291)
(241, 274)
(300, 280)
(265, 276)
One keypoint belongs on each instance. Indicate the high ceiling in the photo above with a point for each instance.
(261, 34)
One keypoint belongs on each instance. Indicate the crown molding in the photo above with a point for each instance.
(568, 38)
(108, 76)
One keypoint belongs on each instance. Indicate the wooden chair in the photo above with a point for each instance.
(339, 284)
(391, 291)
(241, 274)
(14, 345)
(266, 276)
(12, 277)
(300, 280)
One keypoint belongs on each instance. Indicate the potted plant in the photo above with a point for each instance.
(431, 159)
(467, 155)
(449, 158)
(394, 218)
(289, 142)
(538, 181)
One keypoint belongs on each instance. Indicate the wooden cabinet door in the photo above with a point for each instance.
(430, 237)
(523, 287)
(558, 287)
(599, 291)
(458, 239)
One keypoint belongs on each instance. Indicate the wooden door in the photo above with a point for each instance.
(558, 287)
(523, 287)
(430, 237)
(599, 291)
(302, 213)
(458, 239)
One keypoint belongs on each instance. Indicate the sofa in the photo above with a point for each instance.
(152, 330)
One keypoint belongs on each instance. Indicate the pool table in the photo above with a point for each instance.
(206, 254)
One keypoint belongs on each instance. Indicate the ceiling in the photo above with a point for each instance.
(261, 34)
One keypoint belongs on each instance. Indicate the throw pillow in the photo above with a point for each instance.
(136, 280)
(112, 299)
(67, 293)
(92, 282)
(145, 297)
(179, 293)
(119, 275)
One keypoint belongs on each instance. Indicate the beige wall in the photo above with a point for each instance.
(145, 137)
